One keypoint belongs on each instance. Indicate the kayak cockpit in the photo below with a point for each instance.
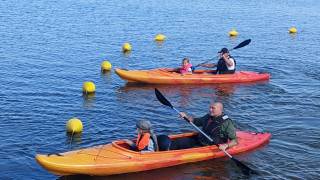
(164, 142)
(176, 71)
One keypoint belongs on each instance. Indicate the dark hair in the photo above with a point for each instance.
(224, 50)
(186, 59)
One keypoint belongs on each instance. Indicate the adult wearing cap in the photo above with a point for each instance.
(215, 124)
(226, 63)
(146, 140)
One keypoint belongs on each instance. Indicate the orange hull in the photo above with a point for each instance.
(115, 158)
(166, 76)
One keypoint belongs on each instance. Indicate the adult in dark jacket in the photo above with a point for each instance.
(215, 124)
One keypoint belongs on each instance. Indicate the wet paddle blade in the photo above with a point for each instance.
(242, 44)
(161, 98)
(245, 169)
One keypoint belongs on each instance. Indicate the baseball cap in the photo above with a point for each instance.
(224, 50)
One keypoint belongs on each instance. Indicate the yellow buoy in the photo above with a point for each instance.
(233, 32)
(126, 47)
(88, 87)
(293, 30)
(74, 125)
(106, 66)
(160, 37)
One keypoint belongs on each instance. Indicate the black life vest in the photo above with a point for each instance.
(155, 141)
(222, 67)
(212, 127)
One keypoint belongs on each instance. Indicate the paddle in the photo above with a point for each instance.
(242, 44)
(245, 169)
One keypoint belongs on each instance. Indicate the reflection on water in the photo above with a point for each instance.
(214, 92)
(88, 100)
(73, 139)
(211, 169)
(159, 43)
(126, 54)
(293, 35)
(233, 39)
(105, 75)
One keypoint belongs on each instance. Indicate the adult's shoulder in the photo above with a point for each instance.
(227, 120)
(225, 117)
(229, 128)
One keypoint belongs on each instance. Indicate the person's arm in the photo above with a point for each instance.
(129, 142)
(132, 145)
(230, 131)
(228, 145)
(196, 121)
(228, 60)
(208, 65)
(184, 115)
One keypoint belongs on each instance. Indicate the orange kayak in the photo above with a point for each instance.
(116, 158)
(169, 76)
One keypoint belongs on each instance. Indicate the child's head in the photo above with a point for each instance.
(143, 126)
(185, 61)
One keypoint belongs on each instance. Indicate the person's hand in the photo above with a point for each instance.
(225, 56)
(223, 147)
(184, 116)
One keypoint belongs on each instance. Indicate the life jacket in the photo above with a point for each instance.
(222, 67)
(143, 142)
(187, 68)
(212, 127)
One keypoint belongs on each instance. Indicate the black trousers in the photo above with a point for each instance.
(185, 143)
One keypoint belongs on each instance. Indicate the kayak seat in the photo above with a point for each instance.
(164, 142)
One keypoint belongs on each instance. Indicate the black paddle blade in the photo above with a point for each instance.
(161, 98)
(242, 44)
(245, 169)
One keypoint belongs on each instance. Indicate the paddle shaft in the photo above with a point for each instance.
(203, 133)
(241, 45)
(194, 126)
(210, 59)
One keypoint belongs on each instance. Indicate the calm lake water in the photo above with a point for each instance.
(49, 48)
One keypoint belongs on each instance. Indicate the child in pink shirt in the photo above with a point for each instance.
(186, 66)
